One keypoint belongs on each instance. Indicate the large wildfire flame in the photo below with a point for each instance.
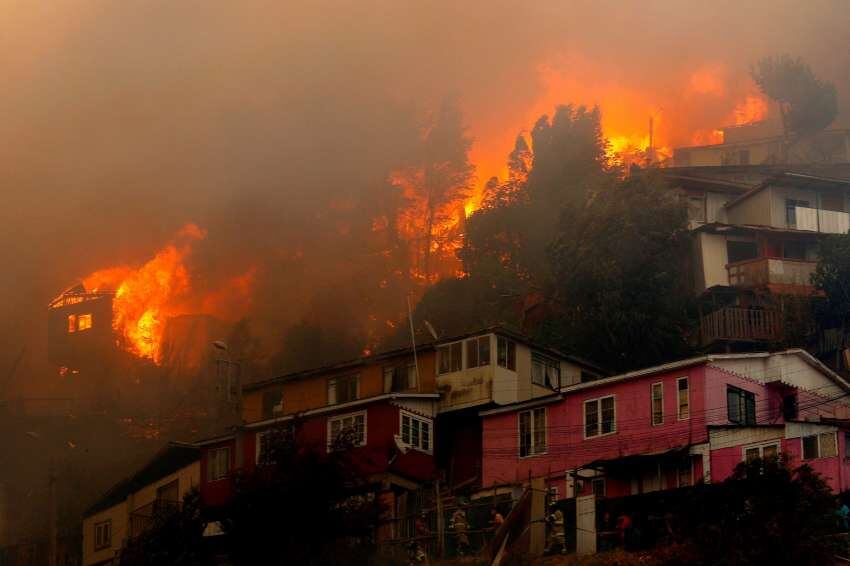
(148, 295)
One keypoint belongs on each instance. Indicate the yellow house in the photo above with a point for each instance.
(128, 508)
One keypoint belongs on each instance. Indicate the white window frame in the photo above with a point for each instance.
(510, 346)
(761, 446)
(354, 415)
(332, 386)
(546, 361)
(407, 366)
(103, 534)
(423, 421)
(531, 452)
(599, 432)
(819, 456)
(679, 416)
(652, 403)
(210, 468)
(478, 340)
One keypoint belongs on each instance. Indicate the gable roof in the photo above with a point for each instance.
(168, 460)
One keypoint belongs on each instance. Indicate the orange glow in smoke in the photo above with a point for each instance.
(751, 109)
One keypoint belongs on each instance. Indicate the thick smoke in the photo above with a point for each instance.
(271, 124)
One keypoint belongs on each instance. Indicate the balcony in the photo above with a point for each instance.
(818, 220)
(763, 272)
(740, 325)
(145, 516)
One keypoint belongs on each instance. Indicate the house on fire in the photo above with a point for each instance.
(79, 328)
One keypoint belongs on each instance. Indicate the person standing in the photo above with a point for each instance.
(460, 526)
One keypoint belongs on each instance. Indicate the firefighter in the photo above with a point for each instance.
(557, 534)
(460, 526)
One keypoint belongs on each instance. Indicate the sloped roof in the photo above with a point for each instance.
(168, 460)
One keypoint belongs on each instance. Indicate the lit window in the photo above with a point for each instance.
(532, 432)
(451, 357)
(83, 322)
(416, 431)
(218, 463)
(506, 353)
(600, 417)
(347, 430)
(657, 403)
(343, 389)
(72, 323)
(478, 352)
(684, 398)
(103, 535)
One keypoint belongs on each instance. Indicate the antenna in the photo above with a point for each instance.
(413, 340)
(431, 330)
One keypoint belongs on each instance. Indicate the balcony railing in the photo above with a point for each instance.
(771, 271)
(143, 518)
(741, 324)
(819, 220)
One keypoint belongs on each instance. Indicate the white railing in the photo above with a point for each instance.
(819, 220)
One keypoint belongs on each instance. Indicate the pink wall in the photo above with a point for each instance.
(567, 447)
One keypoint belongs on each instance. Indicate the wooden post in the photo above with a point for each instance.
(441, 529)
(537, 542)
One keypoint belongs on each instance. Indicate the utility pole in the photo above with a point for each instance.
(52, 515)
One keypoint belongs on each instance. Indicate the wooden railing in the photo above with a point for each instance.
(143, 518)
(735, 323)
(764, 271)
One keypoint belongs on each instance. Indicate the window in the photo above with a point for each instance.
(657, 393)
(761, 452)
(744, 157)
(169, 492)
(506, 353)
(545, 372)
(790, 409)
(103, 535)
(416, 431)
(740, 406)
(819, 446)
(272, 403)
(451, 357)
(343, 389)
(72, 323)
(696, 208)
(532, 432)
(262, 446)
(597, 485)
(791, 211)
(400, 377)
(83, 322)
(478, 352)
(741, 251)
(347, 430)
(684, 393)
(794, 250)
(599, 417)
(218, 463)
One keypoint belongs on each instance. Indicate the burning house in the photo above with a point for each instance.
(79, 328)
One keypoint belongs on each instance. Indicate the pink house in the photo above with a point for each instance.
(673, 425)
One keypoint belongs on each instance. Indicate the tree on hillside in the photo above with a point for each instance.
(832, 277)
(807, 104)
(620, 276)
(437, 185)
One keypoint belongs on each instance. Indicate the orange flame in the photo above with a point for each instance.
(147, 296)
(751, 109)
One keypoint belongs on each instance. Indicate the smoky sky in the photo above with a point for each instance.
(123, 120)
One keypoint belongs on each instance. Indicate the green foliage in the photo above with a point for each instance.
(766, 513)
(808, 104)
(832, 276)
(300, 507)
(620, 276)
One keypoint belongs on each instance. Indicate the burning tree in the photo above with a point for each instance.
(436, 187)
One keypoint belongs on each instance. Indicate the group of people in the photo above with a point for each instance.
(459, 525)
